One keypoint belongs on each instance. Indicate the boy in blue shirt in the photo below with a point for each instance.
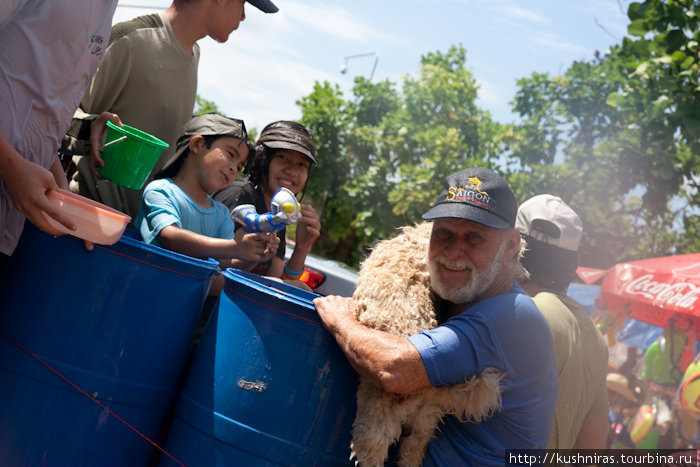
(177, 211)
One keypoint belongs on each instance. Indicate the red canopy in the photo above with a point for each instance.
(652, 290)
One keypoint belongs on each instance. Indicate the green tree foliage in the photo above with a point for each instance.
(566, 146)
(328, 118)
(383, 153)
(617, 137)
(662, 96)
(204, 106)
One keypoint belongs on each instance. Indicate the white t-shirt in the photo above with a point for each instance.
(49, 51)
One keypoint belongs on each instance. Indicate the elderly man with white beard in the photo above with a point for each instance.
(487, 320)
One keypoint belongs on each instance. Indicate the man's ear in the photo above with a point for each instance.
(512, 243)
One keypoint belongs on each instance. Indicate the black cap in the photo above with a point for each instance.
(476, 194)
(286, 134)
(264, 5)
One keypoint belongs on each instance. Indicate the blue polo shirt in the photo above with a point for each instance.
(509, 333)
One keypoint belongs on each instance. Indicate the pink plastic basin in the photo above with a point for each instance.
(96, 222)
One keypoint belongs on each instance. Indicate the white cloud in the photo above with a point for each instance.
(513, 11)
(537, 30)
(274, 60)
(336, 21)
(554, 41)
(255, 85)
(510, 11)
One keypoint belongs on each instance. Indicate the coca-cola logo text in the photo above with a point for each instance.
(680, 294)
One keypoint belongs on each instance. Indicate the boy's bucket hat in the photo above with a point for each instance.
(210, 124)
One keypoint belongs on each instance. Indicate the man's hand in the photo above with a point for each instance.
(334, 310)
(98, 135)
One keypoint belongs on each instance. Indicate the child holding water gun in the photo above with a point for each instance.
(283, 158)
(177, 211)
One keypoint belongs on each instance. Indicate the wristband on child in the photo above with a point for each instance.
(293, 274)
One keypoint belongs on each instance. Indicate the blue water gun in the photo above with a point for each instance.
(285, 210)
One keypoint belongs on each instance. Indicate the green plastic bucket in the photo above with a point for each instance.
(129, 161)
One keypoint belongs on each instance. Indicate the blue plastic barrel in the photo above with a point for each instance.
(118, 322)
(268, 385)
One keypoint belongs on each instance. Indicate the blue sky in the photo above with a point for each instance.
(273, 60)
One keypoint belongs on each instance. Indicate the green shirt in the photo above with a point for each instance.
(582, 363)
(150, 81)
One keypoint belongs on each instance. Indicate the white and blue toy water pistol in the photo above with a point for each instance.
(285, 210)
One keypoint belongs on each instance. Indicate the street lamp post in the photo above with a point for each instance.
(344, 66)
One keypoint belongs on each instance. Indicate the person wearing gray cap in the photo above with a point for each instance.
(177, 211)
(486, 320)
(284, 154)
(552, 231)
(148, 80)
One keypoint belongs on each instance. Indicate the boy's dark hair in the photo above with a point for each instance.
(549, 266)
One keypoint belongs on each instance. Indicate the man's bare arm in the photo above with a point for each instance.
(390, 362)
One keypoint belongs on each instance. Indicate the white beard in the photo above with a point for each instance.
(479, 280)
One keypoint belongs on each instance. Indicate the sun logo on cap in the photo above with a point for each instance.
(476, 183)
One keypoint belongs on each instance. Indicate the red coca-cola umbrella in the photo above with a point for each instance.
(660, 291)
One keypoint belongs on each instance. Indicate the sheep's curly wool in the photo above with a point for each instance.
(393, 294)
